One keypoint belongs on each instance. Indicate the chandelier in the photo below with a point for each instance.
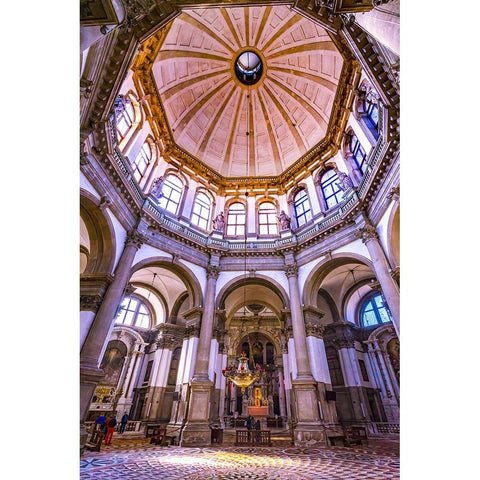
(242, 376)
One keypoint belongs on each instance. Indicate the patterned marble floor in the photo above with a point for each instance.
(138, 460)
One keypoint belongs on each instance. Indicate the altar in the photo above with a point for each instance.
(261, 411)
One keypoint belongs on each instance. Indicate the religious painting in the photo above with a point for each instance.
(112, 362)
(393, 350)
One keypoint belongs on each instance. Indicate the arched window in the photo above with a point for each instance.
(201, 210)
(133, 312)
(301, 205)
(125, 116)
(140, 164)
(236, 219)
(359, 154)
(370, 108)
(267, 219)
(329, 183)
(334, 366)
(375, 311)
(171, 194)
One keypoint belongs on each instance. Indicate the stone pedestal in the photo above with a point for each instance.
(197, 431)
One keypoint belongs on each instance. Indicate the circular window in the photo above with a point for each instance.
(248, 67)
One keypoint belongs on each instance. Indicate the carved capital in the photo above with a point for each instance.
(394, 193)
(134, 238)
(291, 270)
(314, 330)
(192, 331)
(166, 342)
(90, 303)
(104, 203)
(368, 232)
(213, 271)
(344, 342)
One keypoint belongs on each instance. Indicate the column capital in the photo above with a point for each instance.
(368, 232)
(291, 270)
(135, 239)
(192, 331)
(166, 342)
(213, 271)
(90, 302)
(394, 193)
(344, 342)
(313, 330)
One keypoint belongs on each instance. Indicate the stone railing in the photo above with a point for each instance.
(133, 426)
(384, 427)
(296, 237)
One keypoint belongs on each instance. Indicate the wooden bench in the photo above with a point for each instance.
(95, 441)
(160, 437)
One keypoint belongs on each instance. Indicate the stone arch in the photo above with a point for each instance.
(393, 236)
(101, 254)
(323, 268)
(188, 277)
(238, 282)
(329, 300)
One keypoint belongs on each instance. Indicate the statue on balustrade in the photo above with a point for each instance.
(284, 221)
(345, 182)
(219, 222)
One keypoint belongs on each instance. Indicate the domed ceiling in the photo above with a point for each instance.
(241, 129)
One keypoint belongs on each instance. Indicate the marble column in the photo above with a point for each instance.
(197, 430)
(126, 400)
(319, 364)
(389, 400)
(161, 366)
(390, 291)
(99, 333)
(351, 374)
(304, 385)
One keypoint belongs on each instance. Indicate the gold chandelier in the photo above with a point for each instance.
(243, 377)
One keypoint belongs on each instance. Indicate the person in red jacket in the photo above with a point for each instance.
(110, 428)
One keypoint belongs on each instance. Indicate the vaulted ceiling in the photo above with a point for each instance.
(240, 130)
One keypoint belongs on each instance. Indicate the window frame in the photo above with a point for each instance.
(356, 148)
(147, 159)
(371, 299)
(297, 204)
(136, 313)
(332, 181)
(207, 219)
(236, 224)
(163, 196)
(273, 211)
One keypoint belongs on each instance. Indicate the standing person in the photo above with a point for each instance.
(100, 422)
(249, 427)
(110, 428)
(123, 422)
(258, 427)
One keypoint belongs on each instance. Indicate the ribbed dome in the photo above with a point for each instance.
(210, 111)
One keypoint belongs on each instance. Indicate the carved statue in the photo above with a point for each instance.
(284, 220)
(345, 182)
(156, 190)
(219, 222)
